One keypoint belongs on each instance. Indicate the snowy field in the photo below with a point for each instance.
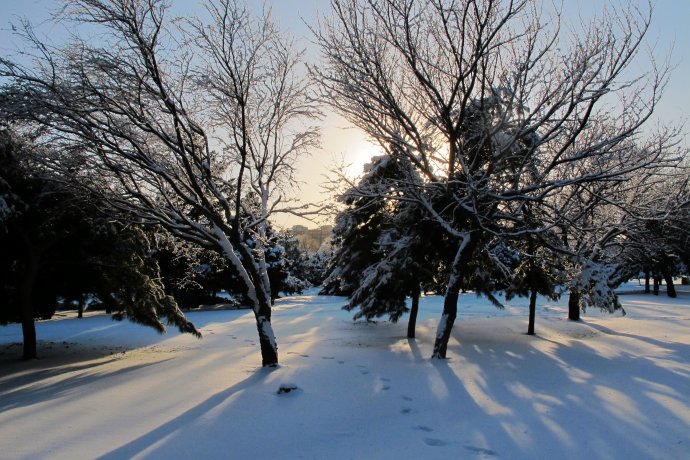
(609, 387)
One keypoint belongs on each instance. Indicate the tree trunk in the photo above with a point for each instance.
(80, 313)
(267, 341)
(29, 336)
(574, 306)
(412, 321)
(670, 288)
(657, 282)
(257, 289)
(532, 312)
(262, 313)
(27, 303)
(450, 301)
(445, 325)
(646, 281)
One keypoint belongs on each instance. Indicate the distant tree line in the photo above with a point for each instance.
(312, 239)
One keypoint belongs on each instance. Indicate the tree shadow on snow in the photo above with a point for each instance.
(680, 349)
(525, 401)
(164, 434)
(29, 389)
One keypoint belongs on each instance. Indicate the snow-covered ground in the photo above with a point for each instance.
(609, 387)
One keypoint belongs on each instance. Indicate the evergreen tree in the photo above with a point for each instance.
(407, 260)
(36, 218)
(298, 260)
(357, 228)
(195, 275)
(383, 253)
(130, 282)
(51, 235)
(318, 266)
(535, 271)
(281, 270)
(192, 274)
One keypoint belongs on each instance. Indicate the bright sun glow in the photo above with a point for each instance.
(358, 154)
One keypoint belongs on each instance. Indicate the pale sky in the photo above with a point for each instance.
(670, 33)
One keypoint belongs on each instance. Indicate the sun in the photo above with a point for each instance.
(359, 152)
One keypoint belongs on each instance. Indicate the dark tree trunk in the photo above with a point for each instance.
(80, 313)
(412, 321)
(262, 311)
(450, 301)
(574, 306)
(107, 301)
(450, 312)
(670, 288)
(267, 341)
(657, 282)
(29, 335)
(646, 281)
(532, 312)
(27, 303)
(269, 349)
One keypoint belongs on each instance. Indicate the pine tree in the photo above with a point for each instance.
(535, 271)
(284, 280)
(357, 228)
(384, 254)
(58, 242)
(192, 274)
(130, 280)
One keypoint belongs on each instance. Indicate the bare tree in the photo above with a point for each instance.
(493, 104)
(141, 106)
(658, 243)
(260, 104)
(600, 225)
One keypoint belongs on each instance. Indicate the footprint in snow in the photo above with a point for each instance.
(406, 398)
(424, 428)
(435, 442)
(295, 353)
(481, 450)
(405, 410)
(285, 388)
(364, 372)
(327, 357)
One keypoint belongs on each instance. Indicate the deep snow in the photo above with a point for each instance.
(607, 387)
